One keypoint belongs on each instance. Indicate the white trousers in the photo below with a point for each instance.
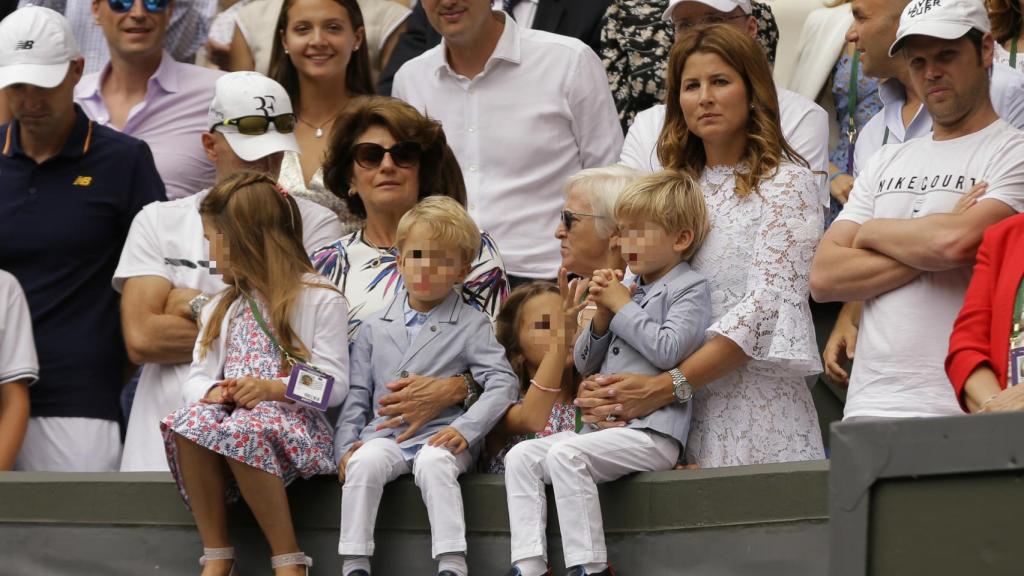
(70, 445)
(436, 471)
(574, 464)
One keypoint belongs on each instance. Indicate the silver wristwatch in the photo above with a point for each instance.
(196, 304)
(681, 388)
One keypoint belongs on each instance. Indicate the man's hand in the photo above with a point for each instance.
(839, 350)
(343, 463)
(840, 188)
(178, 302)
(416, 400)
(451, 439)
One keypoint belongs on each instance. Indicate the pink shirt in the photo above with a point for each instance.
(170, 119)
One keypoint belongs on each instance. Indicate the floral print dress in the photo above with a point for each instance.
(563, 418)
(286, 440)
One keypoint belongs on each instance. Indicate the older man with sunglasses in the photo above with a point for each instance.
(145, 93)
(69, 191)
(164, 275)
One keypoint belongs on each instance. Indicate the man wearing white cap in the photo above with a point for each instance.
(69, 191)
(906, 240)
(804, 123)
(163, 275)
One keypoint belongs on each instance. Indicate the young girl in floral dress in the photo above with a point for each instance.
(537, 327)
(277, 321)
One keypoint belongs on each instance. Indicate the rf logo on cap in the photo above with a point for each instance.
(266, 104)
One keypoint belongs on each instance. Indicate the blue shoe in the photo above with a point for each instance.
(358, 573)
(515, 572)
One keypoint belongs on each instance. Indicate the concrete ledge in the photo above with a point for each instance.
(763, 520)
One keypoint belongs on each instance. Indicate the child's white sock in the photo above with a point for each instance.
(594, 568)
(535, 566)
(355, 563)
(455, 562)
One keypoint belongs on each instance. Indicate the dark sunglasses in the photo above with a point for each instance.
(256, 125)
(149, 5)
(404, 154)
(569, 217)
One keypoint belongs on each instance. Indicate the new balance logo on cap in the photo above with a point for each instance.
(24, 45)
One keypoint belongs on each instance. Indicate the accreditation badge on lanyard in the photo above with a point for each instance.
(306, 384)
(1015, 372)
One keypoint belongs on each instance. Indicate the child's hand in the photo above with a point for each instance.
(609, 293)
(564, 329)
(343, 463)
(451, 439)
(219, 394)
(248, 391)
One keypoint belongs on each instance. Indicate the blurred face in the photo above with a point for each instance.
(649, 250)
(320, 39)
(536, 319)
(429, 268)
(713, 99)
(220, 252)
(948, 76)
(136, 32)
(459, 21)
(688, 15)
(45, 112)
(226, 162)
(387, 187)
(873, 31)
(583, 250)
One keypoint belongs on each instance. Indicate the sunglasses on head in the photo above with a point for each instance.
(256, 125)
(404, 154)
(569, 217)
(149, 5)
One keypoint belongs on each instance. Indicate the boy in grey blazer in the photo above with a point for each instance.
(662, 222)
(426, 329)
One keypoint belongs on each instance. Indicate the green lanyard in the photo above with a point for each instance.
(851, 110)
(1013, 53)
(1018, 312)
(292, 360)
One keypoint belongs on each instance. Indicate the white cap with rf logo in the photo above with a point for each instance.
(36, 47)
(241, 94)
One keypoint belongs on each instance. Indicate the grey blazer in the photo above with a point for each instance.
(652, 337)
(455, 339)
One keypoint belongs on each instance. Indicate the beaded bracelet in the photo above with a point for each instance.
(545, 388)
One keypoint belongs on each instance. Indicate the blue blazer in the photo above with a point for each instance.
(455, 339)
(651, 337)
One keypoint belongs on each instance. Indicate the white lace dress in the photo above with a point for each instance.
(292, 179)
(757, 259)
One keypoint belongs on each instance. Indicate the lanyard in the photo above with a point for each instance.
(851, 110)
(292, 360)
(1013, 53)
(1018, 311)
(885, 139)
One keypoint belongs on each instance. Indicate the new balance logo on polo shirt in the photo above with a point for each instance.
(24, 45)
(82, 181)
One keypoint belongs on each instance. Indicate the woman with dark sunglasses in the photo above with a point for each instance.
(321, 60)
(384, 158)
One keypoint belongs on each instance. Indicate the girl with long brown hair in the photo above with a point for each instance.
(1007, 19)
(751, 404)
(277, 326)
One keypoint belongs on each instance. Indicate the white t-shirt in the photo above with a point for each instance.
(904, 334)
(164, 240)
(18, 359)
(804, 125)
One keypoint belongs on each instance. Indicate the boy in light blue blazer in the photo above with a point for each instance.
(662, 223)
(427, 329)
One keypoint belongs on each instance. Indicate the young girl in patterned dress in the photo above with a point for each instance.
(238, 431)
(537, 327)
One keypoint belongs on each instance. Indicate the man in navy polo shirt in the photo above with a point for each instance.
(69, 189)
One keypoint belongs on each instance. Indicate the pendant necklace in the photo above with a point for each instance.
(381, 252)
(319, 129)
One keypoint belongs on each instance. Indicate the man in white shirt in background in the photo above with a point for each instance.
(804, 123)
(523, 110)
(163, 275)
(907, 238)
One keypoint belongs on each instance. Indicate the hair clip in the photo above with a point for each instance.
(281, 189)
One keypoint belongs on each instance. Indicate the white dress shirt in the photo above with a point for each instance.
(539, 112)
(804, 125)
(1006, 89)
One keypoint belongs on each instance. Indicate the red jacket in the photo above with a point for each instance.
(981, 334)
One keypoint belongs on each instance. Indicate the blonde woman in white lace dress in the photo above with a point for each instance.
(751, 404)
